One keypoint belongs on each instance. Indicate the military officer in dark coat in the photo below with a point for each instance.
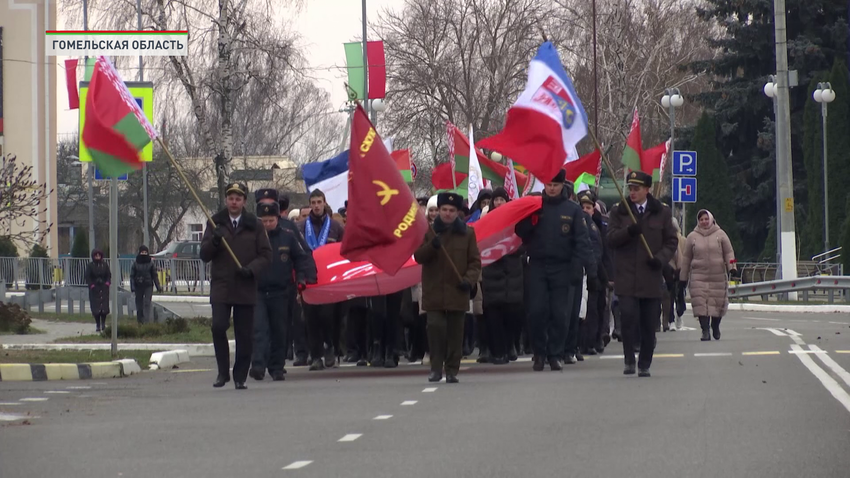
(638, 278)
(233, 289)
(556, 241)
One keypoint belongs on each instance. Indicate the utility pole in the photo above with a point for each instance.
(92, 243)
(785, 176)
(365, 66)
(146, 228)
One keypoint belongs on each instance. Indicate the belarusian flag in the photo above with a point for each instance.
(633, 150)
(589, 163)
(116, 129)
(402, 162)
(653, 159)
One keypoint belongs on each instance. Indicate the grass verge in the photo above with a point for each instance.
(197, 332)
(72, 356)
(30, 331)
(71, 318)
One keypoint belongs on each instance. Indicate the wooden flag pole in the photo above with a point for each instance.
(446, 253)
(197, 199)
(619, 189)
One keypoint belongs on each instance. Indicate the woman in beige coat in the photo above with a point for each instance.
(707, 258)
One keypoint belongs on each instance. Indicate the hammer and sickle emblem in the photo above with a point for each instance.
(385, 193)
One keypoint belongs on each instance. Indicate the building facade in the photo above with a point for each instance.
(28, 103)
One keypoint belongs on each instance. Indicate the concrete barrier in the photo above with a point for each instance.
(167, 360)
(26, 372)
(194, 350)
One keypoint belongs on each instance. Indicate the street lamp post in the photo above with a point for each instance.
(824, 95)
(671, 100)
(377, 106)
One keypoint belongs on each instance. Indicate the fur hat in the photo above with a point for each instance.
(560, 177)
(264, 210)
(450, 199)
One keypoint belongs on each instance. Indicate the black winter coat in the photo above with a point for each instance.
(290, 226)
(144, 274)
(502, 281)
(288, 258)
(98, 278)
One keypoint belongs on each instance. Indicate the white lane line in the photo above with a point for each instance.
(606, 357)
(714, 354)
(9, 404)
(37, 399)
(806, 351)
(825, 379)
(11, 417)
(429, 390)
(774, 332)
(827, 360)
(761, 318)
(792, 333)
(839, 323)
(79, 387)
(409, 402)
(297, 465)
(350, 437)
(383, 417)
(58, 392)
(523, 359)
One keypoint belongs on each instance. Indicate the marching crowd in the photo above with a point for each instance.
(580, 266)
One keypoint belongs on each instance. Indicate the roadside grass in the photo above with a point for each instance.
(73, 356)
(30, 331)
(191, 331)
(70, 318)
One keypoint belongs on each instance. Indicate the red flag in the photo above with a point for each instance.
(340, 280)
(652, 161)
(377, 69)
(384, 224)
(71, 84)
(589, 163)
(441, 176)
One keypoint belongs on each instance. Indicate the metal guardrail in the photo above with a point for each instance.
(767, 271)
(803, 284)
(31, 273)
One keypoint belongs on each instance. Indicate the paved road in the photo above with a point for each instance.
(741, 407)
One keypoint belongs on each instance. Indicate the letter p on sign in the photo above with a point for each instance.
(684, 163)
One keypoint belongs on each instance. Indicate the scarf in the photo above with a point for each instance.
(312, 241)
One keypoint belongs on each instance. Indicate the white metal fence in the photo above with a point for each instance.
(177, 276)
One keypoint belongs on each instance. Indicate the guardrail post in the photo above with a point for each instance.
(16, 271)
(830, 296)
(202, 274)
(173, 277)
(58, 301)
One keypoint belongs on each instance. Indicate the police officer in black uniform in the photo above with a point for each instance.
(273, 312)
(555, 237)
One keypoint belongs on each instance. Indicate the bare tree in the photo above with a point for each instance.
(22, 200)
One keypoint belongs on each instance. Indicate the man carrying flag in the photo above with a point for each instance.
(547, 120)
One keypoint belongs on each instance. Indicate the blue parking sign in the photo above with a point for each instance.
(685, 190)
(99, 176)
(684, 163)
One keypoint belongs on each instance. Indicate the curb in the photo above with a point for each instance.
(193, 350)
(792, 309)
(185, 299)
(36, 372)
(167, 360)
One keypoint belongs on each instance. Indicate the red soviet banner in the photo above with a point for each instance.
(340, 279)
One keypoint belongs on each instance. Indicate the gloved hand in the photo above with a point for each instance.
(734, 273)
(535, 218)
(465, 286)
(635, 230)
(654, 264)
(592, 284)
(302, 286)
(218, 235)
(91, 286)
(245, 273)
(436, 243)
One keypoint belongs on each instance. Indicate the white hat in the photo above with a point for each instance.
(432, 202)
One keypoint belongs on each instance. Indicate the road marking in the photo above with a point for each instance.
(763, 352)
(58, 392)
(605, 357)
(430, 390)
(79, 387)
(523, 359)
(9, 404)
(774, 332)
(668, 355)
(38, 399)
(11, 417)
(807, 352)
(827, 360)
(842, 351)
(350, 437)
(409, 402)
(192, 370)
(685, 327)
(383, 417)
(761, 318)
(828, 382)
(838, 323)
(297, 465)
(714, 354)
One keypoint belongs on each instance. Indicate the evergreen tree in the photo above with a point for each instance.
(714, 191)
(811, 233)
(8, 247)
(817, 33)
(838, 141)
(80, 248)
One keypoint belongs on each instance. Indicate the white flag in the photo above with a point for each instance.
(476, 177)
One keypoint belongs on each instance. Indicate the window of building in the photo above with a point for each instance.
(196, 231)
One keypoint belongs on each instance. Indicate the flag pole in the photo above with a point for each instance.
(619, 189)
(197, 199)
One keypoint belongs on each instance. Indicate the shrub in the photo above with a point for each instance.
(14, 319)
(8, 247)
(39, 272)
(80, 249)
(176, 325)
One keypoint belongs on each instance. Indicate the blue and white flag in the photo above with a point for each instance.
(331, 177)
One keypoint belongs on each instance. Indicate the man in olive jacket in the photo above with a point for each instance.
(638, 279)
(445, 297)
(234, 289)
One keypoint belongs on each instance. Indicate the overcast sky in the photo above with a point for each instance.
(324, 26)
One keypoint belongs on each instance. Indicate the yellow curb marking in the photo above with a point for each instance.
(767, 352)
(668, 355)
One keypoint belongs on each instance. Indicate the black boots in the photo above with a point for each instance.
(715, 327)
(538, 363)
(703, 324)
